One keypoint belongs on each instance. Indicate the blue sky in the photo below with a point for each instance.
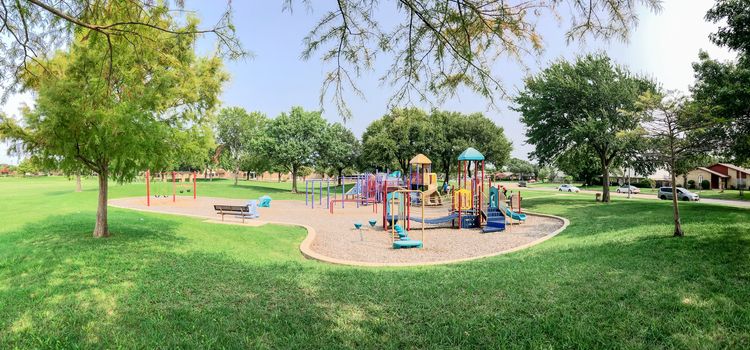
(663, 46)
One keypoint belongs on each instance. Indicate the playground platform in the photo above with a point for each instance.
(334, 239)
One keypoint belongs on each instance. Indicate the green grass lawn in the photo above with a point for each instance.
(727, 194)
(614, 279)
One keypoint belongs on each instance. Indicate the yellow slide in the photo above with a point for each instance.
(432, 197)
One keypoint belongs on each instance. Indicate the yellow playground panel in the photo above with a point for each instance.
(463, 199)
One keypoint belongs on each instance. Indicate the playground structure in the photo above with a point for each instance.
(399, 237)
(421, 178)
(472, 203)
(363, 192)
(183, 185)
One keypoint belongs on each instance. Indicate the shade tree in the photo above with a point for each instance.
(342, 150)
(580, 104)
(239, 134)
(109, 115)
(297, 139)
(396, 137)
(522, 168)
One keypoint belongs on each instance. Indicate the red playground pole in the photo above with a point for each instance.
(148, 189)
(174, 189)
(195, 187)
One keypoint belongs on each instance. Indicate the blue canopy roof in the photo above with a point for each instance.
(470, 154)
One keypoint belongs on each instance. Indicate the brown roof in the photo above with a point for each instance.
(740, 169)
(713, 172)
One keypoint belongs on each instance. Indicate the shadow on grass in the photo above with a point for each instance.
(616, 284)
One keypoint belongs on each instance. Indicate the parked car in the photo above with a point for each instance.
(568, 188)
(521, 183)
(682, 194)
(626, 189)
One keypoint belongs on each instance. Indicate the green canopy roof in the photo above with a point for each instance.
(470, 154)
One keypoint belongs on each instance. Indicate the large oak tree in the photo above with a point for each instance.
(581, 104)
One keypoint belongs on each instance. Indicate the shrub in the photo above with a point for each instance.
(706, 185)
(644, 183)
(691, 184)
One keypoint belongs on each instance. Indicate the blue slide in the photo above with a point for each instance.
(515, 216)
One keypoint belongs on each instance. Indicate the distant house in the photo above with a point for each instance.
(504, 175)
(721, 176)
(660, 177)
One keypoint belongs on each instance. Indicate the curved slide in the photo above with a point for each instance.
(515, 216)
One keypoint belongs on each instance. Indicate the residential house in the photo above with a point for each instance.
(721, 176)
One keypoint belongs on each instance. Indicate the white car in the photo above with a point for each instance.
(631, 189)
(568, 188)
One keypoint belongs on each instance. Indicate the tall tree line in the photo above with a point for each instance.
(400, 134)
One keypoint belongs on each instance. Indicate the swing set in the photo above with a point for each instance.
(183, 185)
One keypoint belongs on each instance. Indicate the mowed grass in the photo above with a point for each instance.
(614, 279)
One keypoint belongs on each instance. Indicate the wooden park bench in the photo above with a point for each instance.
(241, 210)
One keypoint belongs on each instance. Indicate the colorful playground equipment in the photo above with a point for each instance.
(181, 182)
(363, 192)
(415, 198)
(467, 198)
(421, 178)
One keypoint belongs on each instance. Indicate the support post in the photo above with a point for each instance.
(148, 188)
(460, 202)
(174, 189)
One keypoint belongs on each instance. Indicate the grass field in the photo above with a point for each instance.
(614, 279)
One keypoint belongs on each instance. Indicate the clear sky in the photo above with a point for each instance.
(663, 46)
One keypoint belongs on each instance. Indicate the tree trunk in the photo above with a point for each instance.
(605, 180)
(247, 176)
(78, 182)
(236, 175)
(447, 173)
(675, 205)
(101, 229)
(341, 173)
(684, 181)
(294, 179)
(279, 176)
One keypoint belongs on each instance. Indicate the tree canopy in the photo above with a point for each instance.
(33, 29)
(522, 168)
(439, 47)
(297, 139)
(239, 134)
(396, 137)
(441, 135)
(723, 87)
(342, 151)
(570, 105)
(111, 116)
